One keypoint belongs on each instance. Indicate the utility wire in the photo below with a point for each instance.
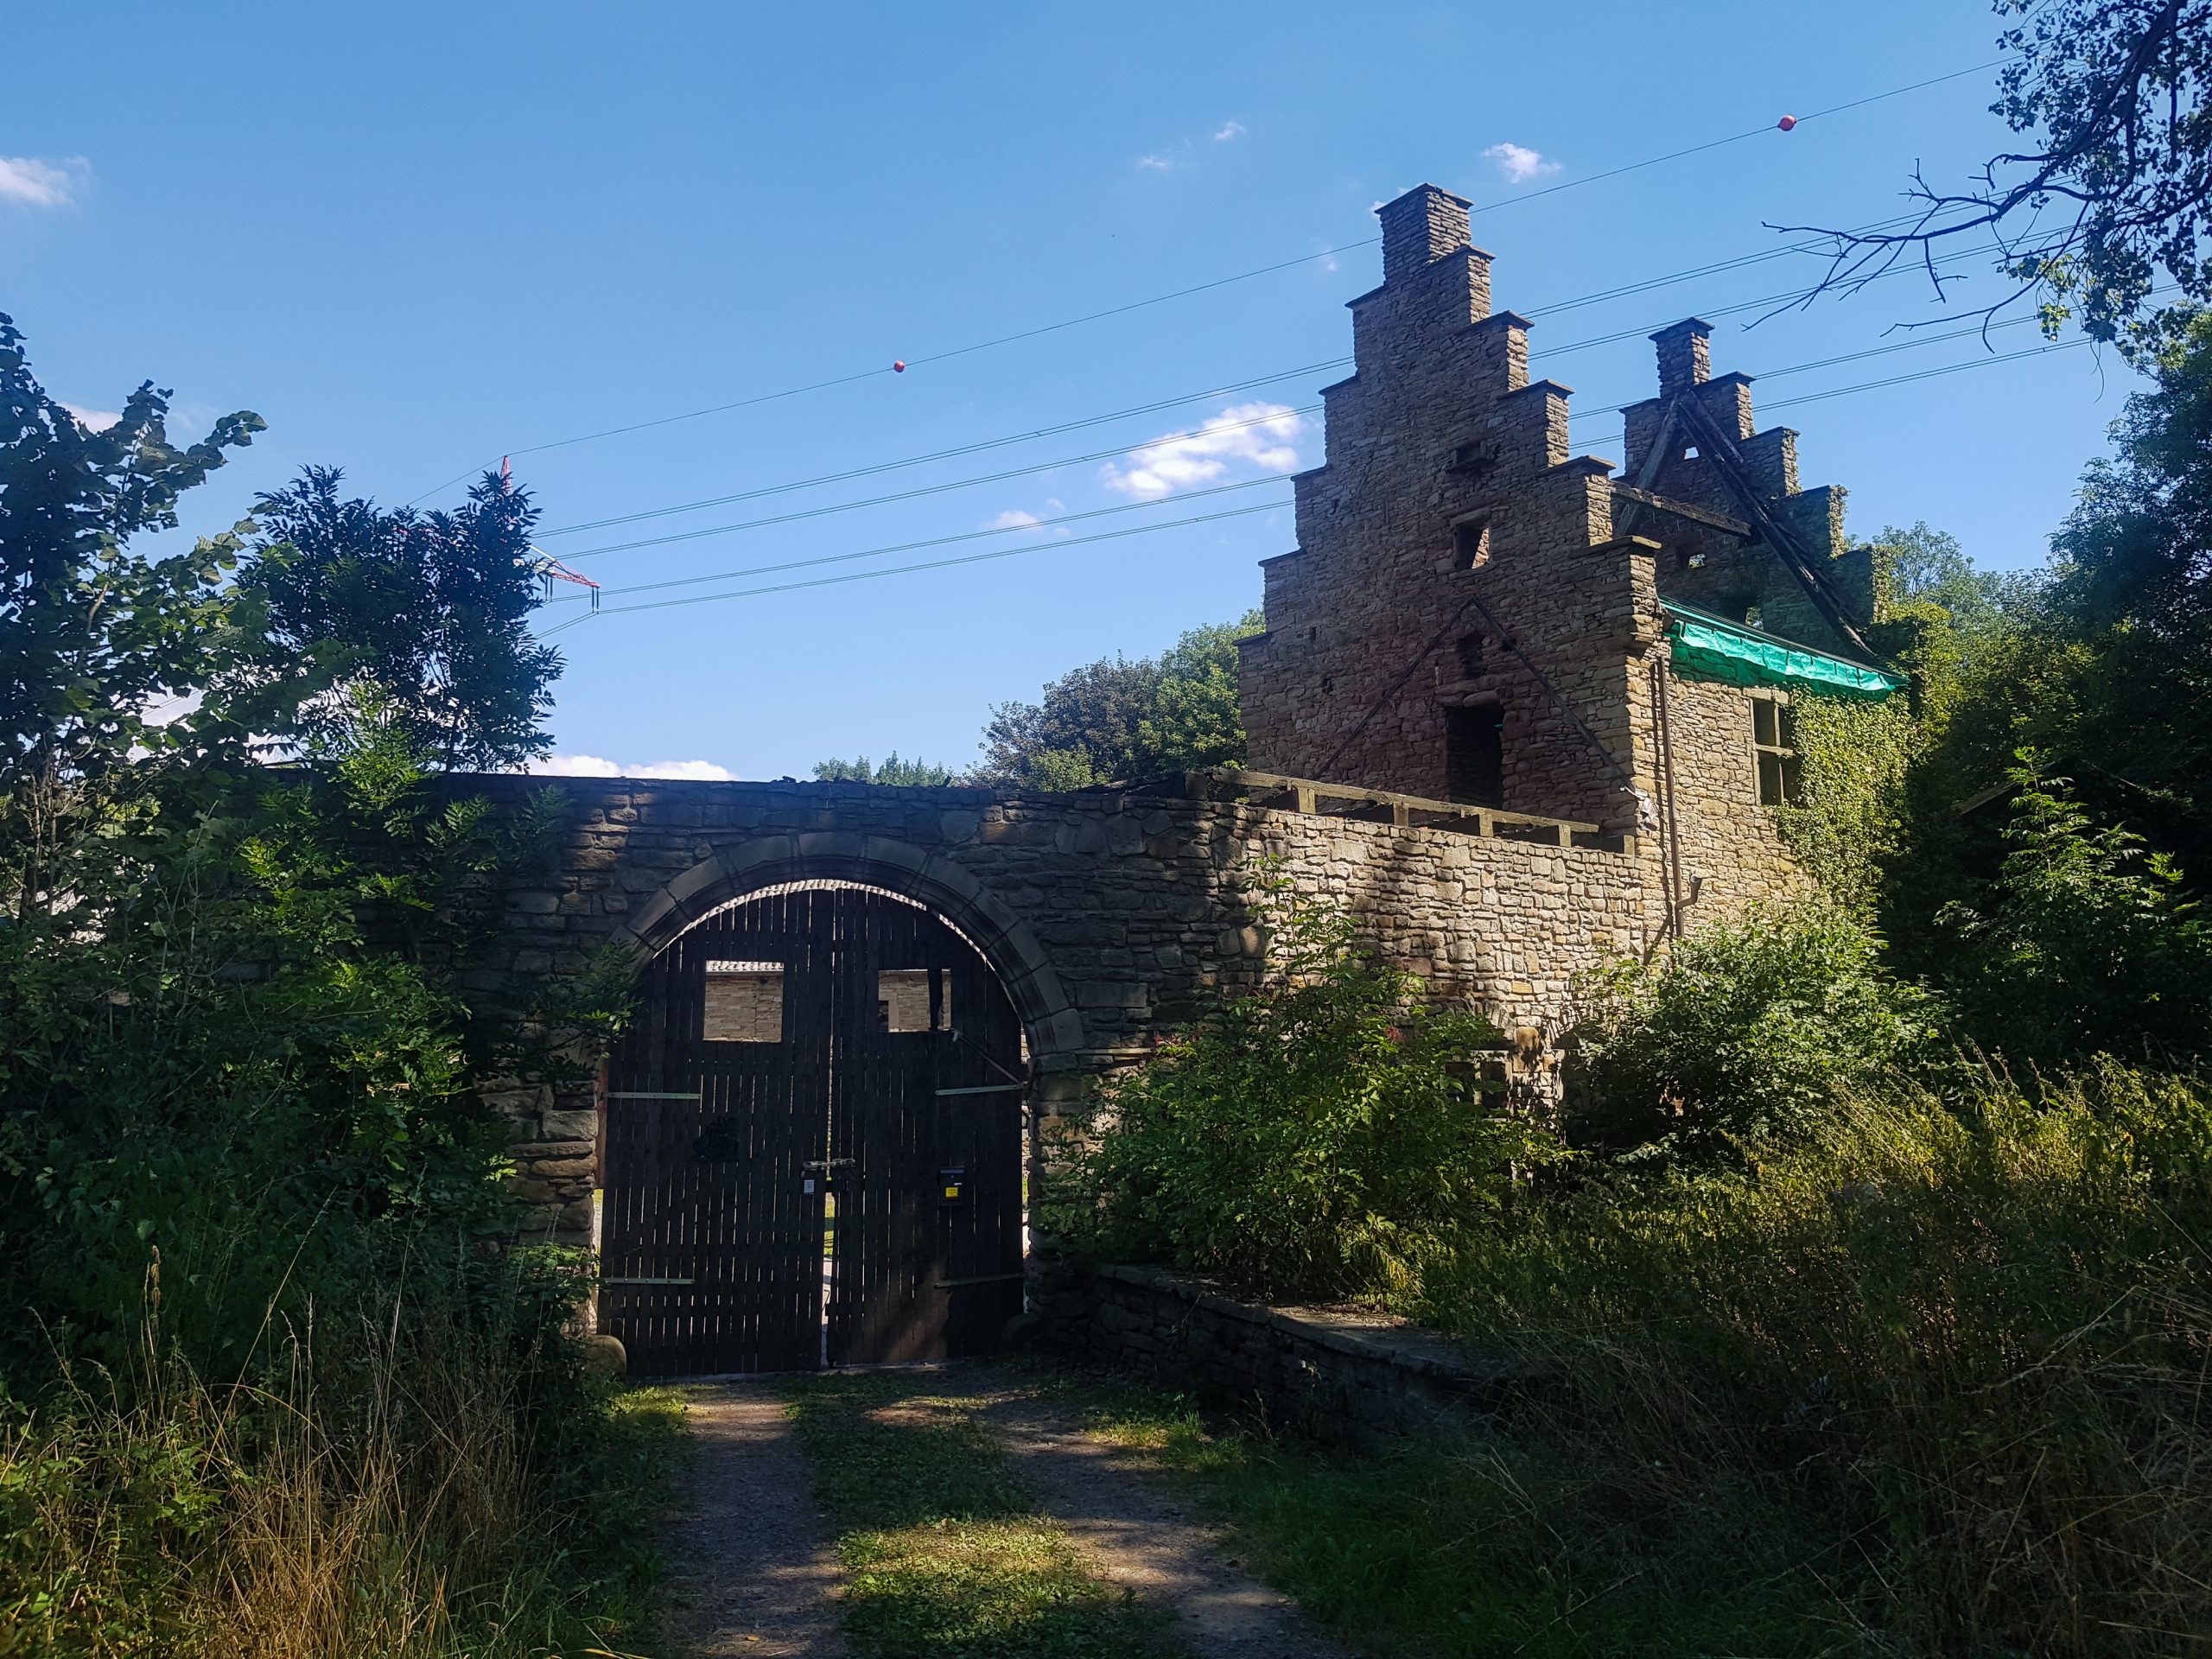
(791, 485)
(1234, 512)
(1200, 288)
(1195, 495)
(708, 530)
(932, 564)
(934, 541)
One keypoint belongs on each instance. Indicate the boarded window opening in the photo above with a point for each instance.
(1474, 756)
(902, 1000)
(743, 1002)
(1470, 544)
(1774, 743)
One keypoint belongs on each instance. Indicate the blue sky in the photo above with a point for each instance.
(415, 236)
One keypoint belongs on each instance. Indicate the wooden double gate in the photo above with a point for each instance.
(811, 1143)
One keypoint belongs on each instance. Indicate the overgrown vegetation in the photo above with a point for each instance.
(273, 1384)
(1318, 1136)
(1864, 1272)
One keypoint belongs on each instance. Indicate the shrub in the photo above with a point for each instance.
(2088, 942)
(1741, 1034)
(1318, 1136)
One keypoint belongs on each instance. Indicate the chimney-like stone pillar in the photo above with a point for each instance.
(1425, 225)
(1685, 355)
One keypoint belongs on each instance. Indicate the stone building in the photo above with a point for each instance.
(1518, 713)
(1474, 614)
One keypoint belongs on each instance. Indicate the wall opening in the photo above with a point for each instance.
(1470, 544)
(1474, 754)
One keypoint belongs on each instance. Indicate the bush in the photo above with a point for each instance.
(2088, 943)
(1318, 1136)
(1743, 1033)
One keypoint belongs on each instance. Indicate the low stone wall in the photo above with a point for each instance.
(1341, 1377)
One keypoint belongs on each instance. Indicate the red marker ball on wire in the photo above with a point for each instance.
(1787, 122)
(898, 367)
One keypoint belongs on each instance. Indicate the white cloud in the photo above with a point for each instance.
(1013, 518)
(592, 766)
(29, 183)
(1229, 130)
(93, 420)
(1157, 162)
(1263, 435)
(1519, 163)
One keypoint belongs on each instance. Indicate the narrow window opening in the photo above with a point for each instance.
(743, 1002)
(1470, 544)
(1753, 617)
(903, 1001)
(1774, 746)
(1474, 756)
(1313, 634)
(1689, 452)
(1469, 651)
(1328, 684)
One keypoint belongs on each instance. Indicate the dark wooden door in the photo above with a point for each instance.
(815, 1045)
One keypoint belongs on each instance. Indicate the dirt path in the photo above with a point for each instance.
(1135, 1533)
(753, 1572)
(750, 1566)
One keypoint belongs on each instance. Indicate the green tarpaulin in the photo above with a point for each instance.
(1719, 648)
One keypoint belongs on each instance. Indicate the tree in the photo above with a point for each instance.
(2108, 199)
(97, 641)
(2087, 943)
(1115, 719)
(423, 615)
(891, 770)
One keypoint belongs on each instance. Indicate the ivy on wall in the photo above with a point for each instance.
(1851, 757)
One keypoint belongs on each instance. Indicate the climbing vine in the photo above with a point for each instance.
(1851, 757)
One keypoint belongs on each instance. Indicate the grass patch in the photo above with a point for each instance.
(1483, 1546)
(946, 1553)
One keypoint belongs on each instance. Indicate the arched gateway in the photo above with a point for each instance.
(812, 1149)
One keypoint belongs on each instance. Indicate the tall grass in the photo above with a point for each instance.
(1941, 1370)
(411, 1483)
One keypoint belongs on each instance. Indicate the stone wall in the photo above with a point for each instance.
(1340, 1376)
(1112, 918)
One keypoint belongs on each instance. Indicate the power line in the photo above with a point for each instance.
(934, 541)
(705, 502)
(827, 508)
(932, 564)
(1904, 380)
(920, 490)
(1201, 288)
(1143, 529)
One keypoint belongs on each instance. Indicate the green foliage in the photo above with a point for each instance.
(1313, 1137)
(891, 770)
(1117, 721)
(1739, 1035)
(425, 613)
(243, 1033)
(1852, 757)
(2116, 99)
(2087, 943)
(1929, 1382)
